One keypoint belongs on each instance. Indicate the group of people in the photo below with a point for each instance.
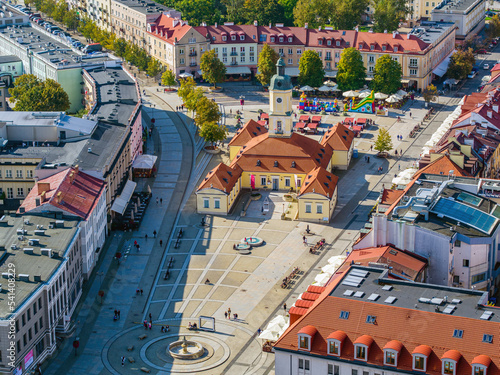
(117, 315)
(165, 329)
(179, 107)
(192, 325)
(139, 291)
(289, 278)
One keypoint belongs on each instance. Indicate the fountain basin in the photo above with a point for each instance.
(252, 241)
(186, 349)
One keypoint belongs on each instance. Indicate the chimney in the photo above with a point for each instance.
(42, 197)
(408, 36)
(495, 107)
(76, 168)
(356, 28)
(490, 114)
(43, 187)
(71, 177)
(394, 33)
(255, 23)
(215, 25)
(306, 25)
(270, 25)
(59, 197)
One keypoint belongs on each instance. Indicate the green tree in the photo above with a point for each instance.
(234, 11)
(263, 11)
(120, 47)
(206, 111)
(266, 64)
(313, 12)
(60, 11)
(430, 94)
(47, 7)
(383, 143)
(347, 13)
(387, 75)
(212, 68)
(193, 98)
(461, 64)
(154, 67)
(212, 132)
(493, 27)
(32, 94)
(288, 6)
(71, 19)
(198, 11)
(186, 88)
(351, 72)
(311, 70)
(168, 78)
(388, 14)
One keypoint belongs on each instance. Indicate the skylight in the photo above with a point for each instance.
(344, 315)
(371, 319)
(458, 333)
(487, 338)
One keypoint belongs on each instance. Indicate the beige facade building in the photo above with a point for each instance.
(129, 19)
(176, 44)
(46, 257)
(467, 15)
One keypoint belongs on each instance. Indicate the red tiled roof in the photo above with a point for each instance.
(294, 310)
(442, 165)
(315, 289)
(346, 38)
(215, 33)
(394, 345)
(389, 196)
(338, 137)
(222, 178)
(310, 296)
(168, 28)
(337, 335)
(308, 330)
(452, 354)
(423, 349)
(70, 190)
(495, 68)
(319, 181)
(299, 35)
(303, 303)
(405, 45)
(250, 130)
(482, 359)
(364, 340)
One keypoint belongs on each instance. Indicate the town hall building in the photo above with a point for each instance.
(278, 158)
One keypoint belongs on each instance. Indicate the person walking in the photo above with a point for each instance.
(150, 316)
(141, 292)
(284, 306)
(225, 314)
(123, 361)
(154, 233)
(229, 312)
(161, 201)
(156, 200)
(304, 240)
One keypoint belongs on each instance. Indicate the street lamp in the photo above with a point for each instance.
(100, 274)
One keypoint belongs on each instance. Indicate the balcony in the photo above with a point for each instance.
(233, 54)
(192, 64)
(193, 53)
(234, 62)
(413, 65)
(224, 53)
(328, 58)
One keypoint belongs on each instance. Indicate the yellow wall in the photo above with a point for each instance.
(233, 151)
(316, 199)
(245, 180)
(226, 200)
(26, 182)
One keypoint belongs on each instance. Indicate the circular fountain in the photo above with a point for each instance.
(186, 349)
(252, 241)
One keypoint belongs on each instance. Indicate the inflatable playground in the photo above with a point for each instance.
(365, 105)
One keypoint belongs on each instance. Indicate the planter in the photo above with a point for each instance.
(383, 154)
(255, 197)
(216, 89)
(211, 149)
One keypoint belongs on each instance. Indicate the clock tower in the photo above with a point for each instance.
(280, 103)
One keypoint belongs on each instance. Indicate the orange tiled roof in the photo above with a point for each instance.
(364, 340)
(303, 303)
(442, 165)
(482, 359)
(168, 28)
(337, 335)
(70, 190)
(452, 354)
(404, 44)
(319, 181)
(246, 133)
(495, 68)
(394, 345)
(423, 349)
(308, 330)
(338, 137)
(315, 289)
(389, 196)
(261, 153)
(222, 178)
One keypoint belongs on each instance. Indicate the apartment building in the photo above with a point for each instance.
(129, 19)
(176, 44)
(11, 67)
(45, 254)
(467, 15)
(451, 221)
(30, 139)
(75, 194)
(366, 322)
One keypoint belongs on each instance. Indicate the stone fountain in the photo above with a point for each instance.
(186, 349)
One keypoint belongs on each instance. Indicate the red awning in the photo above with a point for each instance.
(262, 122)
(304, 118)
(313, 125)
(349, 120)
(300, 125)
(361, 120)
(316, 119)
(264, 115)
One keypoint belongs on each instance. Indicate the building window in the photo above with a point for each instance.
(290, 39)
(354, 372)
(333, 347)
(413, 72)
(479, 370)
(262, 37)
(8, 173)
(181, 62)
(29, 173)
(337, 55)
(478, 278)
(299, 51)
(304, 342)
(344, 315)
(281, 39)
(329, 42)
(252, 58)
(330, 369)
(360, 45)
(10, 193)
(20, 192)
(390, 358)
(308, 208)
(419, 363)
(242, 37)
(338, 43)
(304, 364)
(360, 352)
(319, 208)
(242, 59)
(465, 262)
(372, 47)
(448, 367)
(224, 59)
(290, 61)
(458, 333)
(217, 203)
(371, 59)
(181, 51)
(242, 49)
(384, 48)
(206, 203)
(272, 39)
(263, 180)
(19, 173)
(233, 37)
(287, 182)
(280, 51)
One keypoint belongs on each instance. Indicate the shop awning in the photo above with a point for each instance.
(331, 74)
(238, 70)
(144, 162)
(292, 72)
(121, 202)
(441, 69)
(405, 81)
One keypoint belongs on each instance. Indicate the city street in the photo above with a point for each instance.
(205, 275)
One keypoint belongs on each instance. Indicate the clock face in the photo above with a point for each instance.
(279, 100)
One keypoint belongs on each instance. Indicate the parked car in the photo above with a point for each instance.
(481, 51)
(93, 47)
(39, 21)
(486, 66)
(472, 74)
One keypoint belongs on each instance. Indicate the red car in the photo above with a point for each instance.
(481, 51)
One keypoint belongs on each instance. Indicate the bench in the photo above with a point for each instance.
(142, 337)
(131, 359)
(145, 369)
(130, 348)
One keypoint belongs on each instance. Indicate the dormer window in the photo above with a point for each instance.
(448, 367)
(338, 43)
(449, 362)
(335, 340)
(420, 355)
(360, 352)
(290, 39)
(293, 164)
(372, 47)
(306, 335)
(272, 39)
(390, 357)
(384, 48)
(419, 362)
(479, 370)
(276, 163)
(395, 48)
(281, 39)
(258, 163)
(480, 365)
(242, 37)
(360, 45)
(329, 42)
(333, 347)
(320, 42)
(224, 38)
(233, 37)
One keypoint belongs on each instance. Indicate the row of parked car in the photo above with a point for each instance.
(36, 18)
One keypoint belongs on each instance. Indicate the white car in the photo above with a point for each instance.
(486, 66)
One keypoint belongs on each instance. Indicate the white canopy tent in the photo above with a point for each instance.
(185, 75)
(144, 161)
(121, 202)
(351, 94)
(306, 88)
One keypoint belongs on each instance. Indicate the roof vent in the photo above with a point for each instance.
(293, 164)
(275, 163)
(258, 163)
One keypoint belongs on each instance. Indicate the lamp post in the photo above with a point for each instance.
(100, 274)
